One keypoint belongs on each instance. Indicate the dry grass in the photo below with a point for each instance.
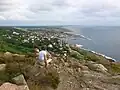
(18, 65)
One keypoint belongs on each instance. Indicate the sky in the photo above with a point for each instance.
(59, 12)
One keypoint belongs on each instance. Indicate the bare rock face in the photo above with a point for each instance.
(84, 68)
(2, 67)
(15, 55)
(9, 86)
(98, 67)
(23, 87)
(19, 80)
(8, 55)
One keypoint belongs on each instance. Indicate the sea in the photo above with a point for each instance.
(102, 39)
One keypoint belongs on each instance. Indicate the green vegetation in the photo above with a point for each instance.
(115, 68)
(17, 65)
(23, 42)
(76, 55)
(85, 55)
(13, 42)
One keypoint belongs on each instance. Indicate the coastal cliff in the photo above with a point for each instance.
(72, 68)
(80, 71)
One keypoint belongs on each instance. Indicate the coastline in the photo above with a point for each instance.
(100, 54)
(84, 37)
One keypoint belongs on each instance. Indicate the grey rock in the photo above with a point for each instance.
(8, 55)
(116, 77)
(84, 67)
(98, 67)
(9, 86)
(19, 80)
(90, 62)
(2, 67)
(23, 87)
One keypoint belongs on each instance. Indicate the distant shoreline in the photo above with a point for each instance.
(103, 55)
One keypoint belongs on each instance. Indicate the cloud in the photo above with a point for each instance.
(2, 18)
(60, 11)
(7, 5)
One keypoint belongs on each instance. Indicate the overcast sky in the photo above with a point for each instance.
(59, 12)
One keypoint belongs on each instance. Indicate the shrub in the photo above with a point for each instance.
(13, 69)
(115, 68)
(77, 55)
(4, 77)
(92, 58)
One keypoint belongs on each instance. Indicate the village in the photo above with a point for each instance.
(26, 39)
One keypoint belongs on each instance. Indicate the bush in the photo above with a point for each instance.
(93, 58)
(51, 79)
(115, 68)
(77, 55)
(4, 76)
(13, 69)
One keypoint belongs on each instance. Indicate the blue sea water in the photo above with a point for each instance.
(105, 39)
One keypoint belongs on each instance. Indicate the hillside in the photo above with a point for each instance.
(72, 74)
(71, 68)
(22, 41)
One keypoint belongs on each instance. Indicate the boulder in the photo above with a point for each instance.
(2, 67)
(19, 80)
(21, 56)
(15, 55)
(23, 87)
(9, 86)
(116, 77)
(98, 67)
(8, 55)
(90, 62)
(84, 68)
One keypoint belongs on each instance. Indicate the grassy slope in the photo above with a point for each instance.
(17, 65)
(114, 68)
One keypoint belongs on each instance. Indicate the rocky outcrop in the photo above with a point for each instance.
(76, 73)
(10, 86)
(8, 56)
(97, 67)
(20, 84)
(2, 67)
(19, 80)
